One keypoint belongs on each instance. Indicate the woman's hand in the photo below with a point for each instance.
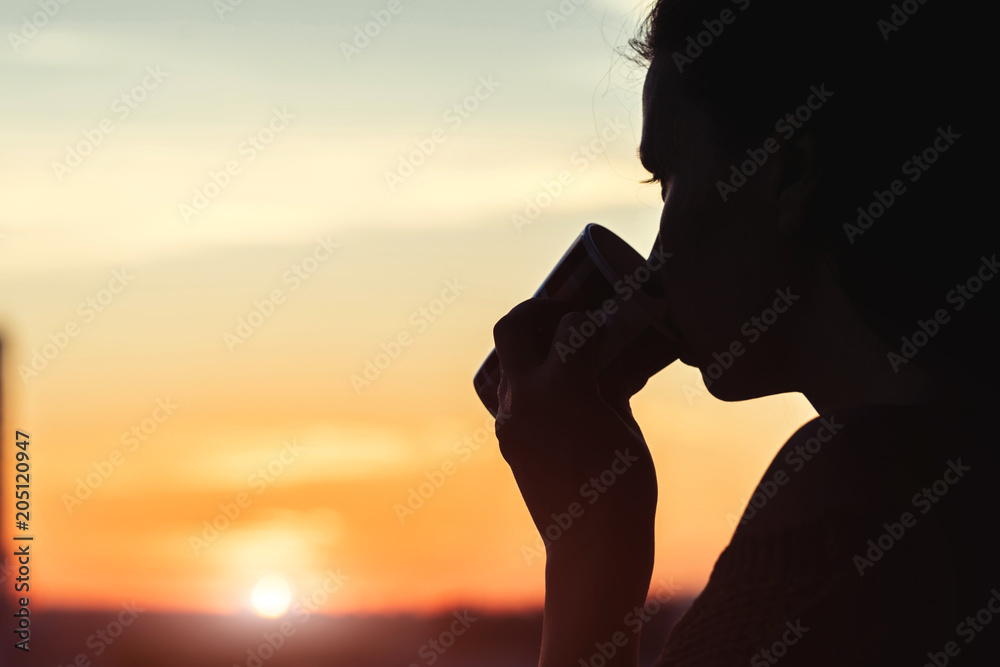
(583, 469)
(561, 428)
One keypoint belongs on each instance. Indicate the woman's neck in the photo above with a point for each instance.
(846, 364)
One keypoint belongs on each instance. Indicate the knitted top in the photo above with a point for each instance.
(876, 550)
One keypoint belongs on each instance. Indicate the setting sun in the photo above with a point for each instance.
(271, 596)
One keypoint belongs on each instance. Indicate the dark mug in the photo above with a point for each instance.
(619, 291)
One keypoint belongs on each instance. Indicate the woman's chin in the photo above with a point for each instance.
(728, 391)
(738, 386)
(688, 359)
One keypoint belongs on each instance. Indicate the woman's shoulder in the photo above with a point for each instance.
(868, 540)
(871, 458)
(830, 592)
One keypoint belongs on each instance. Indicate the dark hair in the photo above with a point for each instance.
(901, 75)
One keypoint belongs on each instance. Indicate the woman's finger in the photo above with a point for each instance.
(522, 337)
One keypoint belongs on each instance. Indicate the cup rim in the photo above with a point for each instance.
(594, 250)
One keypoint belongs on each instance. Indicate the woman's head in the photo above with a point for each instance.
(808, 144)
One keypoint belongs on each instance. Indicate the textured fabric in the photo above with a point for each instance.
(820, 591)
(757, 587)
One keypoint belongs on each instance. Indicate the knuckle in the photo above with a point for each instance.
(518, 423)
(509, 441)
(500, 328)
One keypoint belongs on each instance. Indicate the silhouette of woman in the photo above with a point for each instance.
(827, 161)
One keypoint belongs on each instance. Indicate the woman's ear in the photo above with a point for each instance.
(799, 183)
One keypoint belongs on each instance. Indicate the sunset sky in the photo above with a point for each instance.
(212, 220)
